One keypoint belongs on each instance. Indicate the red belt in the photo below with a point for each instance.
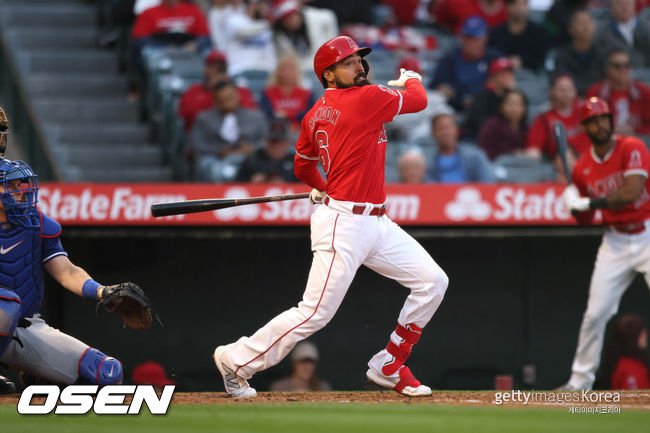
(629, 229)
(359, 209)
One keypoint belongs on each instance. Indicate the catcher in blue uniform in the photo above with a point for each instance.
(29, 243)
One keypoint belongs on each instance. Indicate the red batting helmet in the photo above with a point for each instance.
(593, 107)
(335, 50)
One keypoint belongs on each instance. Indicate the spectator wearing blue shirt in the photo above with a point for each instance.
(462, 72)
(453, 163)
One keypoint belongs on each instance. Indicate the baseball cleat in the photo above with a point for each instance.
(568, 387)
(235, 385)
(402, 381)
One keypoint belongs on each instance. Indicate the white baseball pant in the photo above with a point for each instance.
(44, 352)
(619, 257)
(342, 242)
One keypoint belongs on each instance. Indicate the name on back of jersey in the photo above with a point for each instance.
(326, 113)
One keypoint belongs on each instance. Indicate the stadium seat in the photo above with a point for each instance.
(255, 80)
(522, 169)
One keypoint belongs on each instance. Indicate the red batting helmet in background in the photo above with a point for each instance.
(593, 107)
(335, 50)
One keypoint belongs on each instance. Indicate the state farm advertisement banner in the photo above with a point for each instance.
(432, 204)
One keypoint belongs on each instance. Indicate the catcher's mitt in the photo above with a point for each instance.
(130, 302)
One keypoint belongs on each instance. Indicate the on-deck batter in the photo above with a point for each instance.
(612, 176)
(344, 131)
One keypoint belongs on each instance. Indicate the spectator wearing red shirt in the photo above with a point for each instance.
(564, 108)
(284, 98)
(628, 99)
(173, 22)
(200, 96)
(451, 14)
(625, 360)
(404, 10)
(505, 132)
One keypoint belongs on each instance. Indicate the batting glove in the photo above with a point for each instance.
(404, 75)
(316, 196)
(573, 201)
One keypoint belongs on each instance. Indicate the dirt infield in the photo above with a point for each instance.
(639, 400)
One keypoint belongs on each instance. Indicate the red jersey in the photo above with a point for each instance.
(631, 106)
(630, 373)
(344, 130)
(540, 134)
(453, 13)
(198, 98)
(293, 105)
(182, 18)
(596, 178)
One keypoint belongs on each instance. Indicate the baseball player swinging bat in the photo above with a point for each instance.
(562, 146)
(194, 206)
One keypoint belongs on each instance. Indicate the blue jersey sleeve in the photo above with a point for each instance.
(50, 242)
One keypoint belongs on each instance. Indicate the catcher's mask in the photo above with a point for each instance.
(4, 131)
(19, 194)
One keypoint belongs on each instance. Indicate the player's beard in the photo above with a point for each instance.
(602, 136)
(359, 81)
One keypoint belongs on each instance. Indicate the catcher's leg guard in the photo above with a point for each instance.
(10, 308)
(98, 369)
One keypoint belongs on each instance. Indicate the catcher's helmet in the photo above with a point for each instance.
(335, 50)
(23, 213)
(593, 107)
(4, 132)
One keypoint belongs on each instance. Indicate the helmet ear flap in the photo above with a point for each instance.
(366, 66)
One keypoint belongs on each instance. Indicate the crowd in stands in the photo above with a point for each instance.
(499, 73)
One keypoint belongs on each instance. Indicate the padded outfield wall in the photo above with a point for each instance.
(516, 298)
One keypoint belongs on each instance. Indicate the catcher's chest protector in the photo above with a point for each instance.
(20, 266)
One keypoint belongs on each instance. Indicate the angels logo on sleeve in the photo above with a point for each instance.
(635, 160)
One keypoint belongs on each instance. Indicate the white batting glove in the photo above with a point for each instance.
(404, 75)
(316, 196)
(573, 201)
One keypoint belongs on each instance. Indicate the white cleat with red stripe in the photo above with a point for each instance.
(402, 381)
(235, 385)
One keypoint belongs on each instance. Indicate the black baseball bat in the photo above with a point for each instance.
(562, 147)
(194, 206)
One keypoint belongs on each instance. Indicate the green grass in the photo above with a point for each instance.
(331, 418)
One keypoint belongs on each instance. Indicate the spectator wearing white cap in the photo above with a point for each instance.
(304, 371)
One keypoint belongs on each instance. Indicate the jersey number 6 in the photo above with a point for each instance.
(323, 152)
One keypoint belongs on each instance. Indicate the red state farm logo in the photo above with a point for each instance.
(468, 203)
